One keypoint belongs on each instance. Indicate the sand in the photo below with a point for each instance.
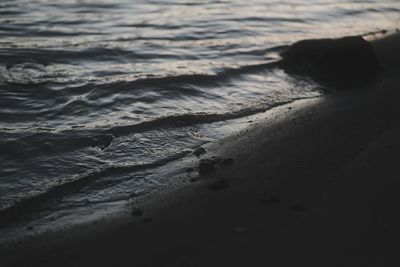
(313, 183)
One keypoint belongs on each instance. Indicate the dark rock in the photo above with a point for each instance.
(137, 211)
(343, 62)
(206, 166)
(269, 200)
(199, 151)
(302, 54)
(299, 207)
(219, 184)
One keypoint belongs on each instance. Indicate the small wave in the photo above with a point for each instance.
(182, 120)
(27, 207)
(268, 19)
(173, 82)
(23, 79)
(13, 56)
(84, 5)
(50, 142)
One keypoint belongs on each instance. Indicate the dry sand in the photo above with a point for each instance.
(314, 183)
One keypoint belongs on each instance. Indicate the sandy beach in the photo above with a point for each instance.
(311, 183)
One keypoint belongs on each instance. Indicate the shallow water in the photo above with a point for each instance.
(100, 99)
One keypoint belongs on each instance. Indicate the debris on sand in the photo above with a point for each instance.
(219, 184)
(269, 200)
(137, 211)
(206, 166)
(209, 165)
(199, 151)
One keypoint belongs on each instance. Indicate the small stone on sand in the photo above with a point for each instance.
(136, 211)
(206, 166)
(199, 151)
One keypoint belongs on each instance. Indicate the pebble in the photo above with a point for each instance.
(136, 211)
(206, 166)
(199, 151)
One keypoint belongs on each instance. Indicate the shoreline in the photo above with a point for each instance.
(184, 174)
(186, 181)
(298, 174)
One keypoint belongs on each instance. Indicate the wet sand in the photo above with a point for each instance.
(313, 183)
